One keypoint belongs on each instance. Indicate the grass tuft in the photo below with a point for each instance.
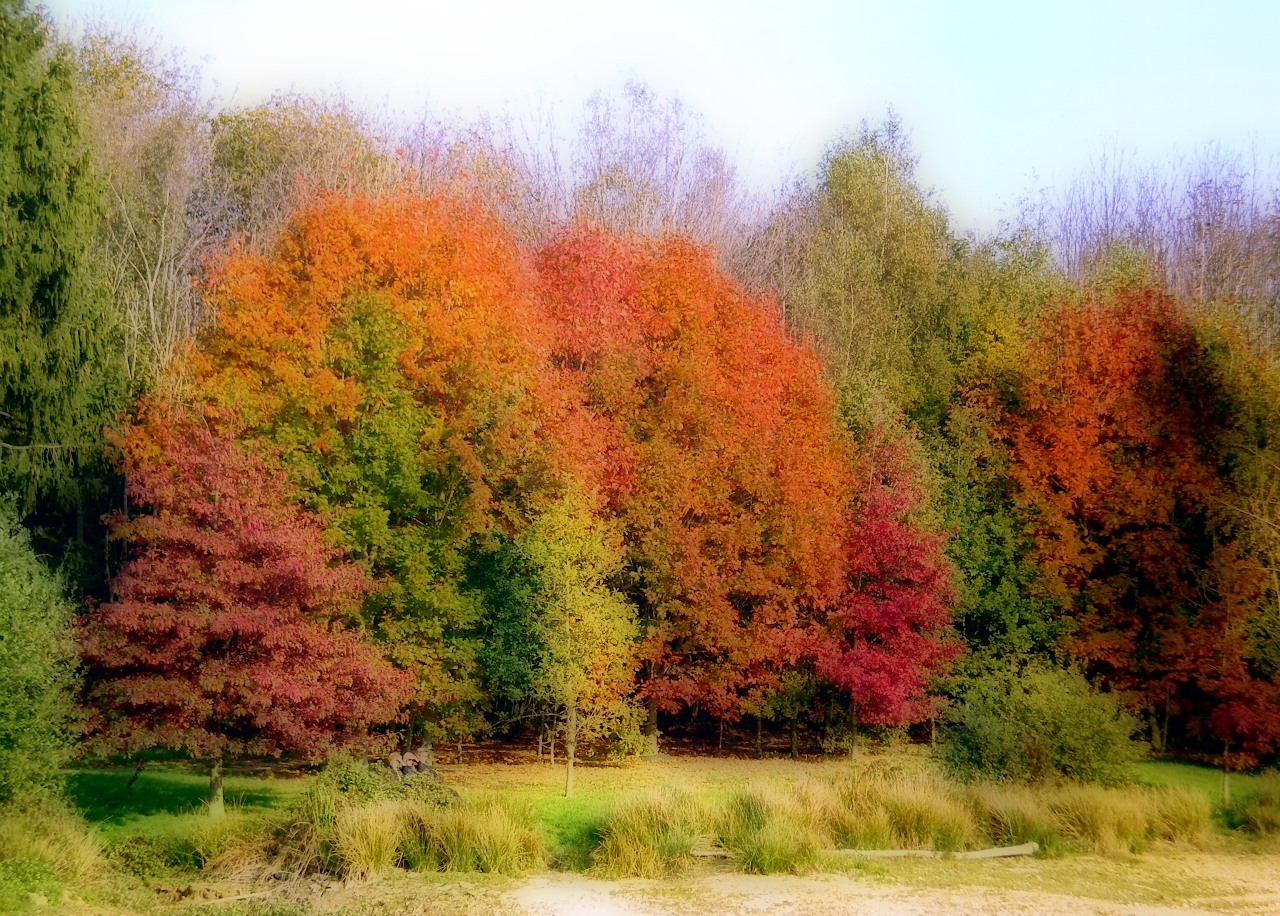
(652, 835)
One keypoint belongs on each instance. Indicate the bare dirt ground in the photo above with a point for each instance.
(1154, 884)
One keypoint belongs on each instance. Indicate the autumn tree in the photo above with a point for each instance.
(887, 635)
(390, 350)
(226, 631)
(1116, 434)
(711, 438)
(147, 118)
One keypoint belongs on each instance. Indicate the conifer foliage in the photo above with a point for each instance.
(61, 380)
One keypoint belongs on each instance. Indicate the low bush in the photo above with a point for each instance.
(38, 676)
(1037, 725)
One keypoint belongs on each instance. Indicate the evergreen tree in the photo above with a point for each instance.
(37, 669)
(60, 374)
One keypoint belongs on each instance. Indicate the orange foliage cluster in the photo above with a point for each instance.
(712, 438)
(1116, 436)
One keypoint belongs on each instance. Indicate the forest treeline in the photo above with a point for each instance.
(320, 425)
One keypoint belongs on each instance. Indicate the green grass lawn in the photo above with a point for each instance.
(1206, 780)
(169, 789)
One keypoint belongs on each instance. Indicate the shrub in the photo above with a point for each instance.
(37, 670)
(324, 834)
(1041, 724)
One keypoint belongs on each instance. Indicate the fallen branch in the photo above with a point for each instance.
(996, 852)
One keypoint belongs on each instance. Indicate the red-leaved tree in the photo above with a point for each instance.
(225, 634)
(886, 636)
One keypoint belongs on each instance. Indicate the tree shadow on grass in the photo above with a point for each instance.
(105, 796)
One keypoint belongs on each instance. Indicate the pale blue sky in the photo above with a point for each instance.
(1000, 97)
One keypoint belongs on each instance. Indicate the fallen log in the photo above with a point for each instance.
(996, 852)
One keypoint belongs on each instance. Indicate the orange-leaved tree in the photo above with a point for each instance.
(710, 436)
(1116, 430)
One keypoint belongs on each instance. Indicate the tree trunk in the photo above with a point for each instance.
(795, 746)
(459, 752)
(542, 734)
(933, 732)
(217, 806)
(1226, 774)
(651, 725)
(551, 734)
(853, 730)
(759, 739)
(570, 748)
(720, 745)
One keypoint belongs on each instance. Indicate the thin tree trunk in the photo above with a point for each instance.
(720, 745)
(759, 739)
(217, 806)
(795, 746)
(551, 734)
(651, 725)
(853, 730)
(542, 733)
(1226, 774)
(570, 748)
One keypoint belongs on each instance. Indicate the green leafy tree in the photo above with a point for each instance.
(569, 637)
(37, 669)
(870, 283)
(60, 375)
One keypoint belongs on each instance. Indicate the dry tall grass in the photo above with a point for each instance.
(1261, 812)
(778, 828)
(64, 843)
(653, 834)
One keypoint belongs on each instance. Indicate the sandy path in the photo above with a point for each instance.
(721, 895)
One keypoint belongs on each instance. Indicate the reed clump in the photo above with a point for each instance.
(1260, 812)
